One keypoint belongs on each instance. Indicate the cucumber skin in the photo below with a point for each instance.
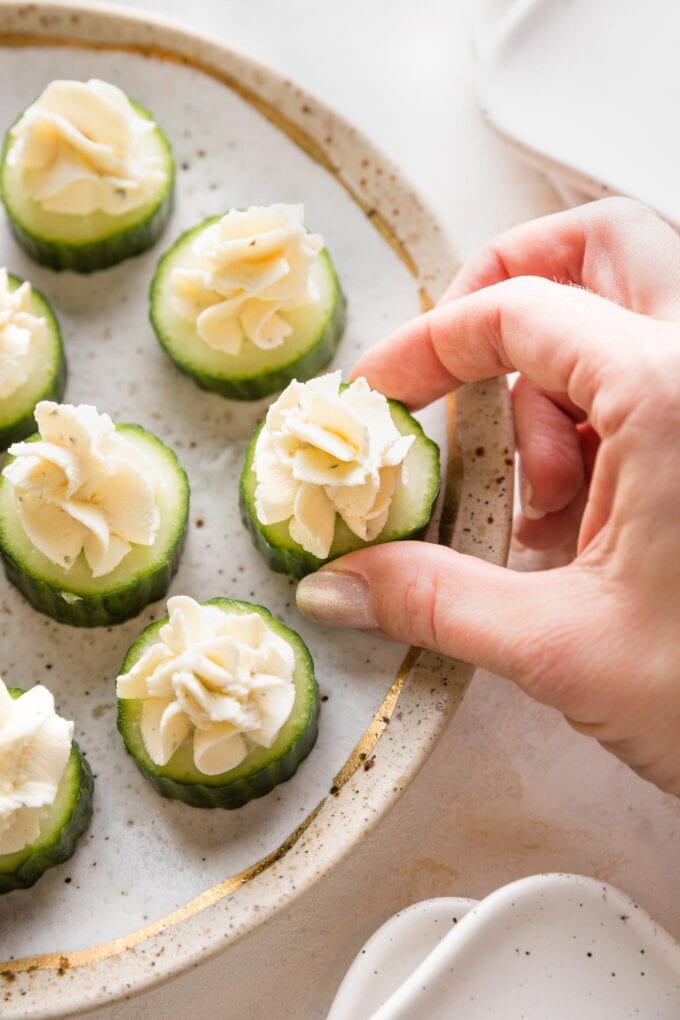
(24, 426)
(87, 258)
(297, 562)
(272, 382)
(100, 610)
(93, 255)
(252, 387)
(244, 790)
(239, 792)
(38, 863)
(94, 610)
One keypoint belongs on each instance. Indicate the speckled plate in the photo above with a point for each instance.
(156, 886)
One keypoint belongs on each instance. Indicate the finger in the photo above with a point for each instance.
(518, 624)
(568, 406)
(549, 450)
(615, 247)
(563, 338)
(558, 530)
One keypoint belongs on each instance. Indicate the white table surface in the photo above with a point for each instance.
(511, 790)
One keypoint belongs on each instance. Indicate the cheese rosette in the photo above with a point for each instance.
(22, 334)
(325, 451)
(223, 676)
(79, 148)
(35, 744)
(83, 487)
(251, 266)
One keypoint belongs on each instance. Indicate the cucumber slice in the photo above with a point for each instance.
(409, 514)
(252, 373)
(60, 830)
(47, 381)
(143, 576)
(96, 240)
(264, 767)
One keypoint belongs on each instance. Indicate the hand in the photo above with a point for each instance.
(586, 306)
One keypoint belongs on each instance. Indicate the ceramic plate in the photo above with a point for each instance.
(557, 946)
(588, 96)
(157, 886)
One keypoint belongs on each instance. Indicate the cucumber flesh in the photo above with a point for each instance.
(143, 576)
(96, 240)
(253, 372)
(410, 510)
(263, 768)
(64, 824)
(46, 382)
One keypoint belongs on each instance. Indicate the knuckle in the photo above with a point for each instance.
(611, 407)
(527, 289)
(417, 606)
(520, 298)
(639, 379)
(618, 215)
(424, 607)
(621, 205)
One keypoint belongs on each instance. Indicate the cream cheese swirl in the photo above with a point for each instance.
(324, 452)
(251, 266)
(22, 335)
(83, 487)
(35, 744)
(223, 676)
(80, 149)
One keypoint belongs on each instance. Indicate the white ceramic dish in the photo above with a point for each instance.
(556, 946)
(589, 93)
(156, 886)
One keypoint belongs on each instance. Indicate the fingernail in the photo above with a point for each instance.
(336, 597)
(526, 494)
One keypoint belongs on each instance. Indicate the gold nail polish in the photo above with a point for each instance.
(338, 598)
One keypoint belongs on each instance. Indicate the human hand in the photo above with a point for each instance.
(585, 304)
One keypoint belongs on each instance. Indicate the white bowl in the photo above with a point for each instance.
(557, 946)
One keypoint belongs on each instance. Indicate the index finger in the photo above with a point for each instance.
(616, 247)
(566, 339)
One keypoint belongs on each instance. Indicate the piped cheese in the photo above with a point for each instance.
(21, 336)
(82, 487)
(324, 452)
(250, 269)
(79, 148)
(35, 744)
(226, 678)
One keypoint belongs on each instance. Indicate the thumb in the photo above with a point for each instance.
(532, 628)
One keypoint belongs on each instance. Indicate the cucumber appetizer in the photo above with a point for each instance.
(92, 516)
(32, 365)
(335, 468)
(245, 302)
(45, 787)
(218, 702)
(86, 176)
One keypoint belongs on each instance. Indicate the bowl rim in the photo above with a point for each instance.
(427, 688)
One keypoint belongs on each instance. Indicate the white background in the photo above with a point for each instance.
(510, 790)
